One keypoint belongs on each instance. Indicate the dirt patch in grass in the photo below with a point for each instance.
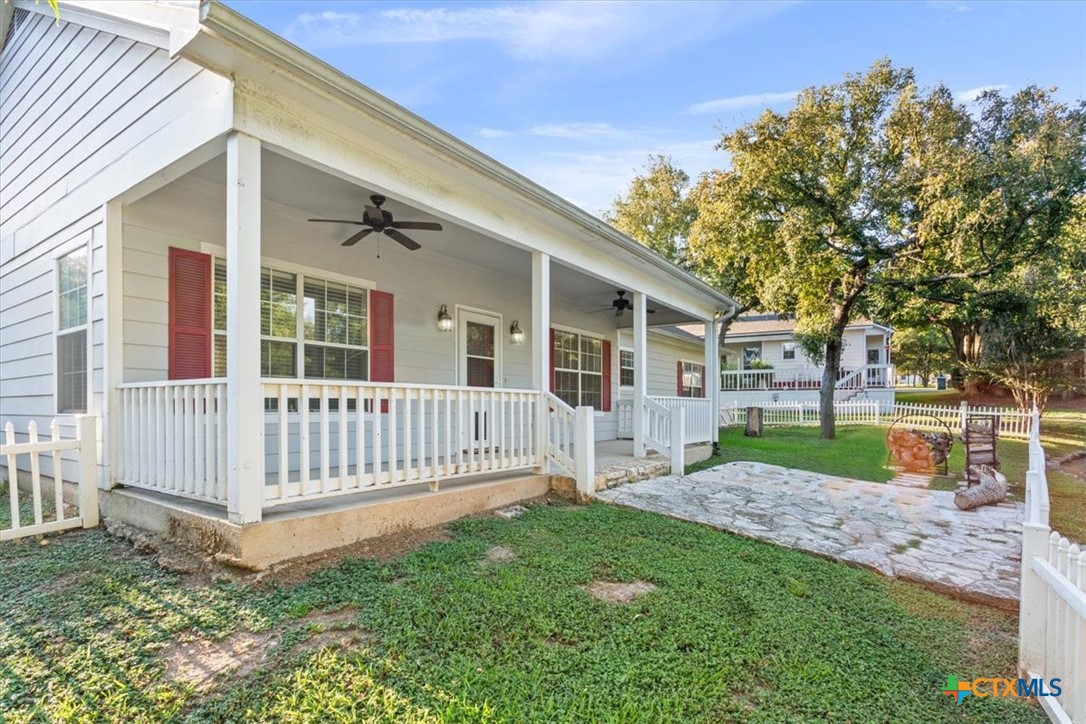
(204, 663)
(498, 555)
(333, 629)
(614, 592)
(65, 582)
(384, 548)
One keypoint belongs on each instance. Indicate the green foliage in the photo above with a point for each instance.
(737, 630)
(657, 209)
(922, 351)
(759, 364)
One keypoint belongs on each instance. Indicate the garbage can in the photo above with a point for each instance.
(940, 382)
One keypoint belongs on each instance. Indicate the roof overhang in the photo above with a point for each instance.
(223, 33)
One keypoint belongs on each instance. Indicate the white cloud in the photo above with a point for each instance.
(734, 103)
(574, 30)
(494, 133)
(950, 6)
(578, 131)
(970, 95)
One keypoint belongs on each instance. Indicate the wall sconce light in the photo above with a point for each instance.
(444, 321)
(515, 335)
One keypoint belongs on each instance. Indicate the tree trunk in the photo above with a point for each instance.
(830, 373)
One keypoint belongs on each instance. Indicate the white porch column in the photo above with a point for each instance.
(541, 340)
(113, 362)
(244, 406)
(641, 361)
(712, 374)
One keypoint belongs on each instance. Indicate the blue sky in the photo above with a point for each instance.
(577, 95)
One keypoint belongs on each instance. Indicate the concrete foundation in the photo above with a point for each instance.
(302, 529)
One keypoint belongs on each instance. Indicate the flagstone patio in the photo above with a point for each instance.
(908, 533)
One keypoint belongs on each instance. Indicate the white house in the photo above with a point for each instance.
(161, 163)
(762, 361)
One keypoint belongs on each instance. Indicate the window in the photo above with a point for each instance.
(578, 369)
(328, 340)
(692, 376)
(750, 354)
(788, 350)
(626, 367)
(72, 332)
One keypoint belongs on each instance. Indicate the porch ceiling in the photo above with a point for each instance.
(312, 193)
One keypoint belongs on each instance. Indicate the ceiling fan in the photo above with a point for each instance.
(381, 221)
(620, 305)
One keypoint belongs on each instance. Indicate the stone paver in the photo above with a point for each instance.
(908, 533)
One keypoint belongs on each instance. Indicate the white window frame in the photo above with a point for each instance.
(785, 350)
(630, 351)
(463, 312)
(582, 333)
(696, 363)
(300, 273)
(83, 244)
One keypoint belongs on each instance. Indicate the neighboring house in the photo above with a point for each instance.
(762, 360)
(160, 164)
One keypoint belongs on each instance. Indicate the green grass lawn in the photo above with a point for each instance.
(736, 630)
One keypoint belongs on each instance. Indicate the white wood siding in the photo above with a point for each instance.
(192, 211)
(73, 102)
(664, 354)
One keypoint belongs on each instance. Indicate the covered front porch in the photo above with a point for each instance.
(328, 372)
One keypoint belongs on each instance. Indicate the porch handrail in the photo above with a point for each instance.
(170, 383)
(700, 418)
(853, 380)
(561, 426)
(657, 426)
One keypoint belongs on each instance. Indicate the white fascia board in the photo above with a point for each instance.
(150, 23)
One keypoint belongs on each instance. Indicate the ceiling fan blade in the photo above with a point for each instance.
(619, 311)
(420, 225)
(406, 241)
(336, 221)
(357, 237)
(373, 214)
(651, 311)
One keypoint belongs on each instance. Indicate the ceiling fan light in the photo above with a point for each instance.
(444, 321)
(516, 336)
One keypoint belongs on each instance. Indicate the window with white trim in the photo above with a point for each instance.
(788, 350)
(578, 369)
(625, 367)
(693, 377)
(72, 277)
(329, 339)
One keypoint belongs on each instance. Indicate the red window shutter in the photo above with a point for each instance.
(552, 360)
(606, 375)
(190, 314)
(382, 340)
(680, 379)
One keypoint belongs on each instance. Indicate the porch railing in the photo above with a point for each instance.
(325, 439)
(173, 437)
(1052, 607)
(700, 421)
(561, 432)
(805, 378)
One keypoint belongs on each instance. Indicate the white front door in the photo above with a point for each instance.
(479, 365)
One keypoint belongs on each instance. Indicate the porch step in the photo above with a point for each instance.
(303, 529)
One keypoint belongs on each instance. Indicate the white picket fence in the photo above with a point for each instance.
(850, 412)
(44, 520)
(1052, 610)
(1012, 423)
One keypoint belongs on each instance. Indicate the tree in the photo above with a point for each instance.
(869, 185)
(921, 351)
(657, 210)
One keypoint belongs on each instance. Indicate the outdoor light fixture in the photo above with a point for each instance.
(444, 321)
(515, 335)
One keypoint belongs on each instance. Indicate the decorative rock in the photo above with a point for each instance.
(512, 512)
